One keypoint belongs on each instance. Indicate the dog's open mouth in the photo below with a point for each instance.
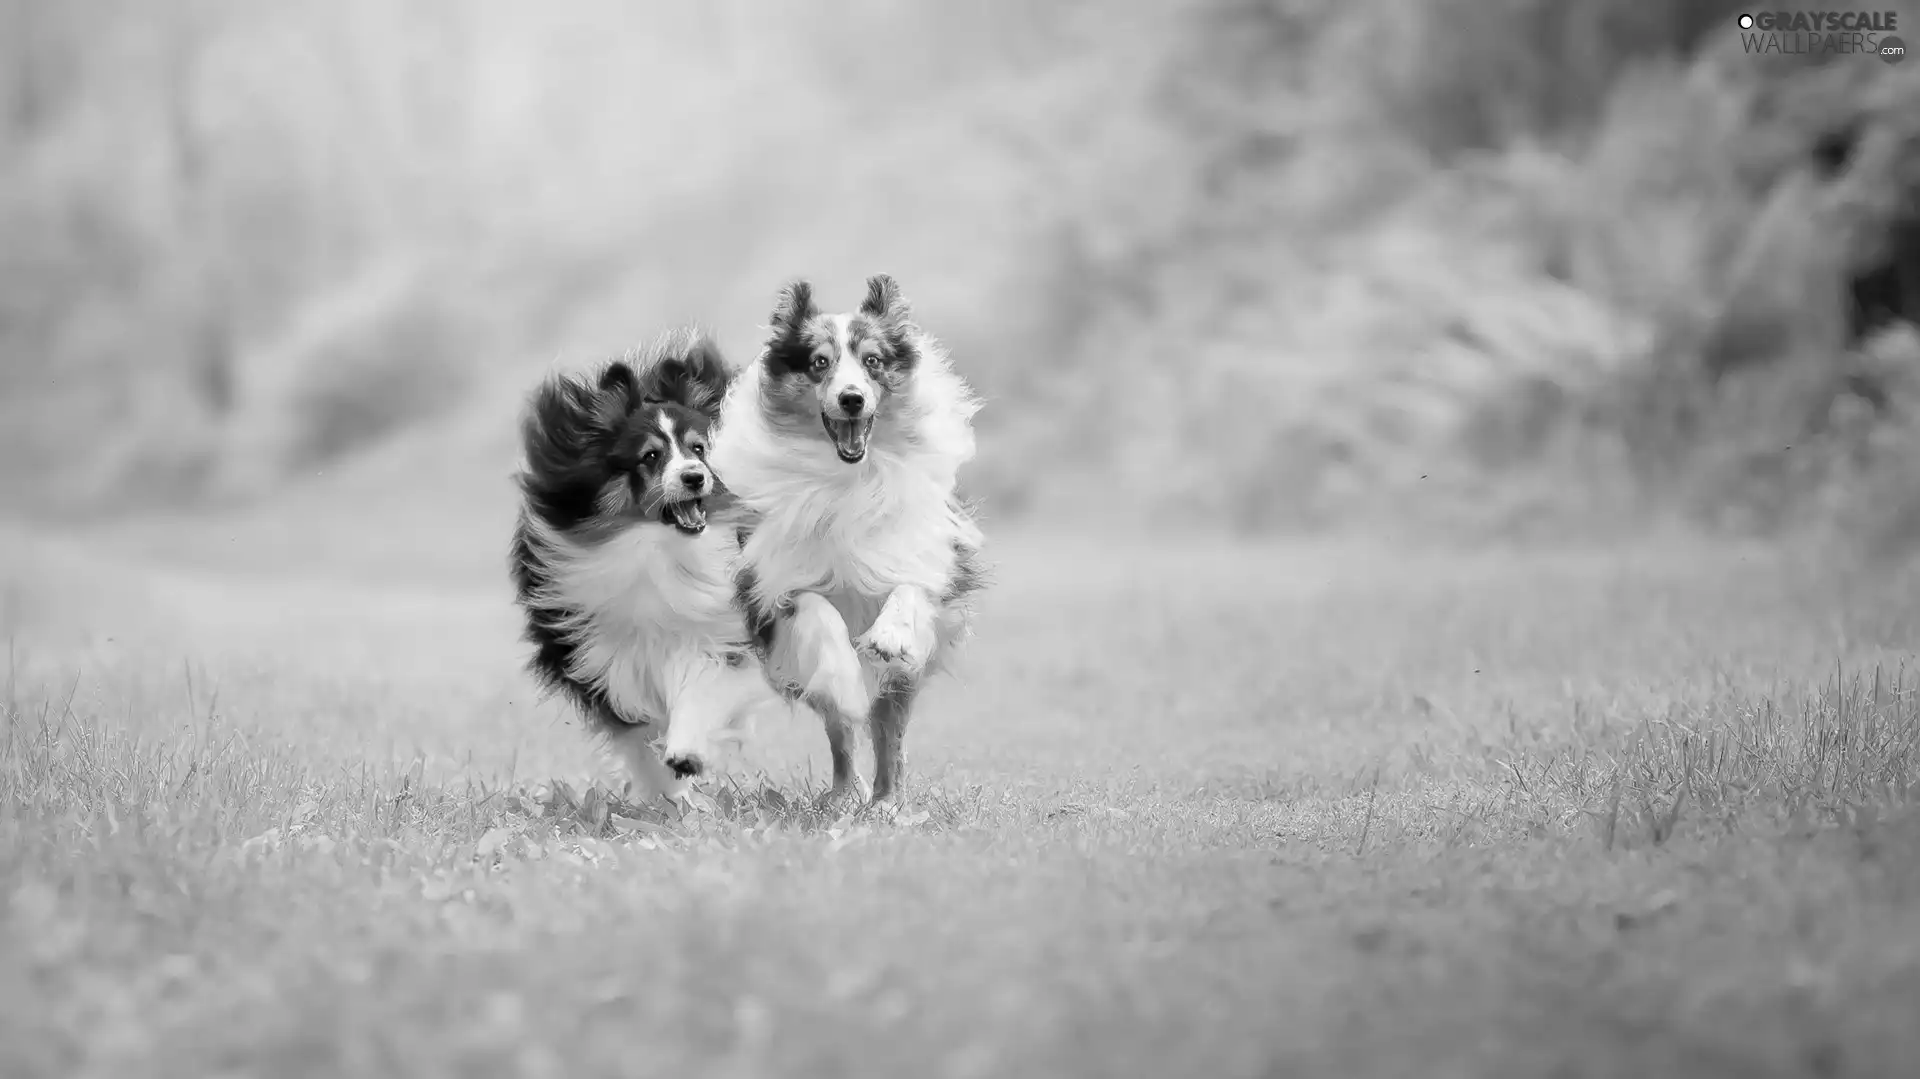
(849, 436)
(689, 516)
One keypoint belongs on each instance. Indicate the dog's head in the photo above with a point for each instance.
(628, 445)
(848, 369)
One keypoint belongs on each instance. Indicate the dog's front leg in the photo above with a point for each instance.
(650, 775)
(715, 700)
(902, 635)
(828, 671)
(823, 655)
(888, 725)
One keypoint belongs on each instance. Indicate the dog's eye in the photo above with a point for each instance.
(820, 363)
(700, 451)
(873, 364)
(650, 458)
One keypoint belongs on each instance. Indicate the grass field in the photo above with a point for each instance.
(1189, 808)
(277, 800)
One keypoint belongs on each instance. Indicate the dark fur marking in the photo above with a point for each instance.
(581, 434)
(858, 330)
(891, 343)
(884, 299)
(969, 575)
(794, 307)
(695, 379)
(760, 621)
(553, 646)
(897, 687)
(564, 433)
(888, 317)
(892, 346)
(788, 350)
(884, 317)
(619, 379)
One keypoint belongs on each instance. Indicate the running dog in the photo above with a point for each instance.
(843, 443)
(623, 556)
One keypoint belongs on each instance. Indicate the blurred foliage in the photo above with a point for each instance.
(1335, 257)
(1531, 258)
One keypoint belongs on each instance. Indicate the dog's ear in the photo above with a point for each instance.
(619, 393)
(697, 378)
(884, 300)
(793, 309)
(620, 384)
(565, 418)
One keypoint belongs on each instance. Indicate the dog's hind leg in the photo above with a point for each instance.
(848, 788)
(888, 723)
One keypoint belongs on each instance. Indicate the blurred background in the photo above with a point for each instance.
(1255, 265)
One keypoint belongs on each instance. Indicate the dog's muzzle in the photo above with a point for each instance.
(685, 507)
(849, 436)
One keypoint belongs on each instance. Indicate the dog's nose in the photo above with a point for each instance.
(693, 479)
(852, 401)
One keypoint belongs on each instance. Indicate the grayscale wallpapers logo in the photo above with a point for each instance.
(1819, 33)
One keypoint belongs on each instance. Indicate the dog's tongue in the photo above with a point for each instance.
(689, 515)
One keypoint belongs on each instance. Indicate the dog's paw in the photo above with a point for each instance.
(896, 646)
(898, 638)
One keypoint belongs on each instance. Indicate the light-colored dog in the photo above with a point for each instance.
(843, 444)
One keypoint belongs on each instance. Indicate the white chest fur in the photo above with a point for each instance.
(652, 610)
(852, 532)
